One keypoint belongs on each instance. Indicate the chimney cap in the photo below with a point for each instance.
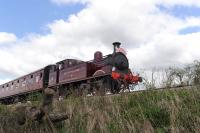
(117, 44)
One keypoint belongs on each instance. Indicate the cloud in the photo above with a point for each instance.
(7, 37)
(3, 81)
(166, 3)
(150, 36)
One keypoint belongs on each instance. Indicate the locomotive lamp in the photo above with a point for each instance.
(116, 45)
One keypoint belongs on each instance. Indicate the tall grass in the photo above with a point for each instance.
(150, 111)
(176, 111)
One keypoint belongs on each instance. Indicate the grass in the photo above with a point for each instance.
(176, 111)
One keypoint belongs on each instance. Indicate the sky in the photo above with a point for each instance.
(155, 33)
(24, 17)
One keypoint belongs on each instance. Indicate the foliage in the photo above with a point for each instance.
(179, 76)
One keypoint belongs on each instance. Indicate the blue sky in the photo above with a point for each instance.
(30, 16)
(188, 30)
(183, 12)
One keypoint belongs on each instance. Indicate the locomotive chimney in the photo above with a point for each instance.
(116, 45)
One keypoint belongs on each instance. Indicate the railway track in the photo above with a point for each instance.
(154, 89)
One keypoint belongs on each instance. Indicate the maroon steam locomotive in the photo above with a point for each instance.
(103, 74)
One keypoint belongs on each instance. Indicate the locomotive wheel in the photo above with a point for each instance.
(99, 89)
(63, 91)
(116, 86)
(103, 86)
(85, 90)
(72, 90)
(75, 91)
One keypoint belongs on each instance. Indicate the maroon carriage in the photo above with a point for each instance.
(31, 82)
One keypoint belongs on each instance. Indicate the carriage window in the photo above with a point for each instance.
(53, 69)
(70, 63)
(60, 66)
(40, 75)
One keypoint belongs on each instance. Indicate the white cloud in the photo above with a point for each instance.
(7, 37)
(4, 81)
(167, 3)
(149, 35)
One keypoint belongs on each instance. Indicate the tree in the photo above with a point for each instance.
(196, 72)
(175, 75)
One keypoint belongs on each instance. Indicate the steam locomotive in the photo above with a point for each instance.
(103, 74)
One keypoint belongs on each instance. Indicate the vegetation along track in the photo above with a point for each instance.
(163, 111)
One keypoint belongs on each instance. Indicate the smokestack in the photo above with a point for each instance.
(116, 45)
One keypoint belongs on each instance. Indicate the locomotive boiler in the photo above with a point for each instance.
(110, 73)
